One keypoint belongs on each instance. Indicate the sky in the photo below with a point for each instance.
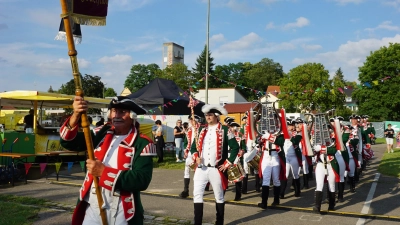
(335, 33)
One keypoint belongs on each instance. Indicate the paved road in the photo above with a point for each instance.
(161, 199)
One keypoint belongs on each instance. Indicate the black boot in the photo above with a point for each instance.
(357, 175)
(352, 184)
(244, 184)
(198, 213)
(207, 187)
(340, 191)
(185, 192)
(297, 187)
(238, 187)
(220, 207)
(277, 191)
(258, 186)
(318, 200)
(264, 197)
(251, 171)
(310, 172)
(283, 189)
(305, 180)
(326, 200)
(331, 198)
(292, 187)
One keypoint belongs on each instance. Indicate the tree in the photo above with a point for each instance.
(140, 76)
(306, 86)
(50, 90)
(338, 84)
(261, 75)
(91, 85)
(179, 73)
(379, 96)
(110, 92)
(200, 70)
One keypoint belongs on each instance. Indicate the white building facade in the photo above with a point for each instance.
(220, 96)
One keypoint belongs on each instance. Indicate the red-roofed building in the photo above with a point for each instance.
(274, 90)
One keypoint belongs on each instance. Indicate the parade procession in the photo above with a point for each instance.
(143, 132)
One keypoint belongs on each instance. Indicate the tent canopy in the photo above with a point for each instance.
(26, 99)
(167, 95)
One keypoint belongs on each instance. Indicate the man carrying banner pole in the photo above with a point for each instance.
(97, 13)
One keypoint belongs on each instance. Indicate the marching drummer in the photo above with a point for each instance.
(211, 156)
(239, 159)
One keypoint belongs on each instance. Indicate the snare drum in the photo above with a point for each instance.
(236, 173)
(254, 163)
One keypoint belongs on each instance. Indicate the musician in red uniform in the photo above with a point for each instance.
(210, 153)
(187, 143)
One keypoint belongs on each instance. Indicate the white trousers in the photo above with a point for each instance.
(352, 166)
(270, 167)
(320, 177)
(293, 164)
(305, 165)
(201, 177)
(189, 160)
(342, 165)
(92, 216)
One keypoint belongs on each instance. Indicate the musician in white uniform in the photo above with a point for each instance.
(306, 159)
(211, 155)
(187, 143)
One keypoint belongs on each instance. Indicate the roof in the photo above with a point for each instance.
(26, 99)
(275, 90)
(241, 107)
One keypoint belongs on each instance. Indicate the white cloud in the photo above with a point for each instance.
(300, 22)
(386, 25)
(245, 43)
(345, 2)
(349, 56)
(240, 6)
(395, 3)
(217, 38)
(311, 47)
(270, 25)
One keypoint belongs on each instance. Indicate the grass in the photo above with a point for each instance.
(15, 209)
(390, 162)
(169, 162)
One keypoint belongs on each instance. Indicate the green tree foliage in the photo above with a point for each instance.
(381, 102)
(91, 85)
(200, 67)
(229, 75)
(50, 90)
(261, 75)
(338, 99)
(307, 85)
(140, 76)
(110, 92)
(180, 74)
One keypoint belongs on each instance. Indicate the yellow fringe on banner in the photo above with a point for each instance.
(58, 165)
(88, 20)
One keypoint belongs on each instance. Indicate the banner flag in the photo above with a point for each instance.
(82, 165)
(42, 167)
(76, 32)
(27, 167)
(58, 165)
(70, 164)
(92, 13)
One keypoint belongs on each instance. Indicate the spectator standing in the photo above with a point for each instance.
(100, 122)
(389, 133)
(179, 134)
(159, 140)
(28, 121)
(398, 140)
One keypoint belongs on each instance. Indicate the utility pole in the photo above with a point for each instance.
(207, 42)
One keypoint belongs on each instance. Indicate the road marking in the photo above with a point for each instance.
(311, 218)
(367, 203)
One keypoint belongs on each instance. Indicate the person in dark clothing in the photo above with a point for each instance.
(28, 121)
(100, 122)
(389, 133)
(159, 141)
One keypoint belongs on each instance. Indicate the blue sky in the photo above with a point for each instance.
(336, 33)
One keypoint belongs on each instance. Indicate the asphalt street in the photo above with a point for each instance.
(375, 202)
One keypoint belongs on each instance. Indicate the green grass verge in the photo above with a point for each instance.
(14, 210)
(390, 162)
(169, 162)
